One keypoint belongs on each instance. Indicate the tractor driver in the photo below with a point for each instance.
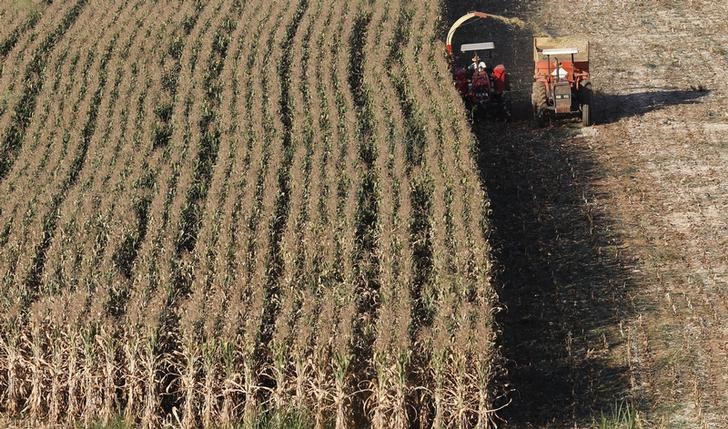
(474, 65)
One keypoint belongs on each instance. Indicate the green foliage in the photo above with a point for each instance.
(117, 423)
(285, 420)
(622, 416)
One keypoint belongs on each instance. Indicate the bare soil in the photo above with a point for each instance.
(612, 241)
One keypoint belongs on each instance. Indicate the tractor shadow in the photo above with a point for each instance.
(614, 107)
(560, 273)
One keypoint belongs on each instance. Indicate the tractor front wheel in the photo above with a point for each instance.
(585, 99)
(539, 101)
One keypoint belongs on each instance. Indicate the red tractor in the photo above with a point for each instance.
(482, 87)
(561, 86)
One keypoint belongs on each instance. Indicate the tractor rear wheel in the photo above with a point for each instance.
(585, 99)
(539, 101)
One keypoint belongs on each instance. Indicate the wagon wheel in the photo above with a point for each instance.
(585, 99)
(538, 99)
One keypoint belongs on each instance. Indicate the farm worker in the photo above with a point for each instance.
(500, 79)
(474, 66)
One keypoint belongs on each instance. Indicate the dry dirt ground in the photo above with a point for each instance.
(612, 241)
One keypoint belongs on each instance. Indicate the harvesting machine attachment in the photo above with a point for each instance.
(482, 86)
(561, 86)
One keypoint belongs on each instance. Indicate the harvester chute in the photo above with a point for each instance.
(462, 20)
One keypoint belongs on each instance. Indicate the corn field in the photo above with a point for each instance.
(214, 214)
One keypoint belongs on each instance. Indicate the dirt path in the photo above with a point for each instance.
(611, 241)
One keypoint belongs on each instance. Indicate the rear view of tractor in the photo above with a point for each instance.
(561, 86)
(482, 86)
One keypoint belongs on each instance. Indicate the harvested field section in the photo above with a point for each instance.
(236, 213)
(609, 241)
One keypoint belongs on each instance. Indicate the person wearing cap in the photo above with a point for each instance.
(474, 65)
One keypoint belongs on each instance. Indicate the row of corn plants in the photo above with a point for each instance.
(32, 228)
(239, 372)
(237, 345)
(90, 301)
(64, 72)
(215, 360)
(274, 203)
(267, 127)
(77, 234)
(366, 256)
(346, 383)
(473, 356)
(288, 350)
(142, 158)
(141, 109)
(33, 280)
(18, 25)
(220, 369)
(171, 162)
(197, 350)
(392, 358)
(313, 371)
(200, 139)
(273, 331)
(65, 57)
(21, 227)
(298, 234)
(101, 345)
(22, 212)
(39, 331)
(151, 172)
(128, 176)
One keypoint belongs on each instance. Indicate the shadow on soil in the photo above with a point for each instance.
(560, 274)
(613, 107)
